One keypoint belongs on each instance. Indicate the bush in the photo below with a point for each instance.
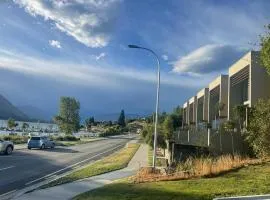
(265, 49)
(258, 131)
(114, 130)
(195, 167)
(17, 139)
(67, 138)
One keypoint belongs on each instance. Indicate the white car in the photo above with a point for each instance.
(6, 147)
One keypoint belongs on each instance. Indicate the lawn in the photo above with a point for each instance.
(113, 162)
(249, 180)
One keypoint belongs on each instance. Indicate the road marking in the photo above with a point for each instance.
(70, 166)
(8, 193)
(6, 168)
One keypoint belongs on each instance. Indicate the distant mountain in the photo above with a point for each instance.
(34, 112)
(7, 110)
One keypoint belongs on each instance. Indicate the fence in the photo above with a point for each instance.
(216, 141)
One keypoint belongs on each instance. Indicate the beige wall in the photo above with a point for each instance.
(221, 81)
(224, 95)
(193, 102)
(203, 94)
(259, 80)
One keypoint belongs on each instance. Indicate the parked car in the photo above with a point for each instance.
(40, 142)
(6, 147)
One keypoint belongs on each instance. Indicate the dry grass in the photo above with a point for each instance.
(195, 167)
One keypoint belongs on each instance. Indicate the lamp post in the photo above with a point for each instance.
(157, 100)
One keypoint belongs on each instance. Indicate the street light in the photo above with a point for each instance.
(157, 100)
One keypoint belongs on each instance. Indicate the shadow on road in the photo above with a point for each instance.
(61, 150)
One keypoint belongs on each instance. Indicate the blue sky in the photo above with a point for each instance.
(51, 48)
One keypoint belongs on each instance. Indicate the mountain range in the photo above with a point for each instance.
(31, 113)
(7, 110)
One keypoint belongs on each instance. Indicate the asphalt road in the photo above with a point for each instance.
(26, 167)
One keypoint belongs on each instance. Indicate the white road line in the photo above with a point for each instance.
(7, 193)
(6, 168)
(70, 166)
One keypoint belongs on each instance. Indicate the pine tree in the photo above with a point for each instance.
(121, 119)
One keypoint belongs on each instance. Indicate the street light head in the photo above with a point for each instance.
(133, 46)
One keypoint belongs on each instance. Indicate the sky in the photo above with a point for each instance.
(54, 48)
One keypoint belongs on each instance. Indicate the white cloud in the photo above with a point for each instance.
(91, 75)
(207, 59)
(89, 25)
(101, 55)
(55, 43)
(164, 57)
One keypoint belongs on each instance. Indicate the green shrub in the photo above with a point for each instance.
(258, 130)
(66, 138)
(16, 139)
(114, 130)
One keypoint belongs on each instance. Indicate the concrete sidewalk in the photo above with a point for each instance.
(69, 190)
(20, 146)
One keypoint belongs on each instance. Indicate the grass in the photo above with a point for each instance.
(150, 156)
(251, 180)
(113, 162)
(72, 143)
(195, 167)
(160, 162)
(15, 138)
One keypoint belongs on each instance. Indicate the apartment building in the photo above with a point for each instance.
(202, 106)
(248, 82)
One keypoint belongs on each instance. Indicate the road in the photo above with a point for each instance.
(26, 167)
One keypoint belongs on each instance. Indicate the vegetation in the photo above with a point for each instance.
(25, 126)
(258, 130)
(60, 141)
(192, 167)
(113, 162)
(148, 135)
(265, 49)
(68, 118)
(168, 127)
(89, 122)
(16, 139)
(122, 119)
(168, 123)
(75, 142)
(11, 123)
(251, 180)
(110, 131)
(239, 114)
(229, 125)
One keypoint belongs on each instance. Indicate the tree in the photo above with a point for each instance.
(239, 113)
(121, 119)
(257, 134)
(265, 49)
(68, 118)
(25, 126)
(11, 123)
(90, 121)
(168, 127)
(148, 136)
(217, 109)
(88, 124)
(177, 117)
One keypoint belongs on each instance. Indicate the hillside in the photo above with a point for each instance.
(7, 110)
(34, 112)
